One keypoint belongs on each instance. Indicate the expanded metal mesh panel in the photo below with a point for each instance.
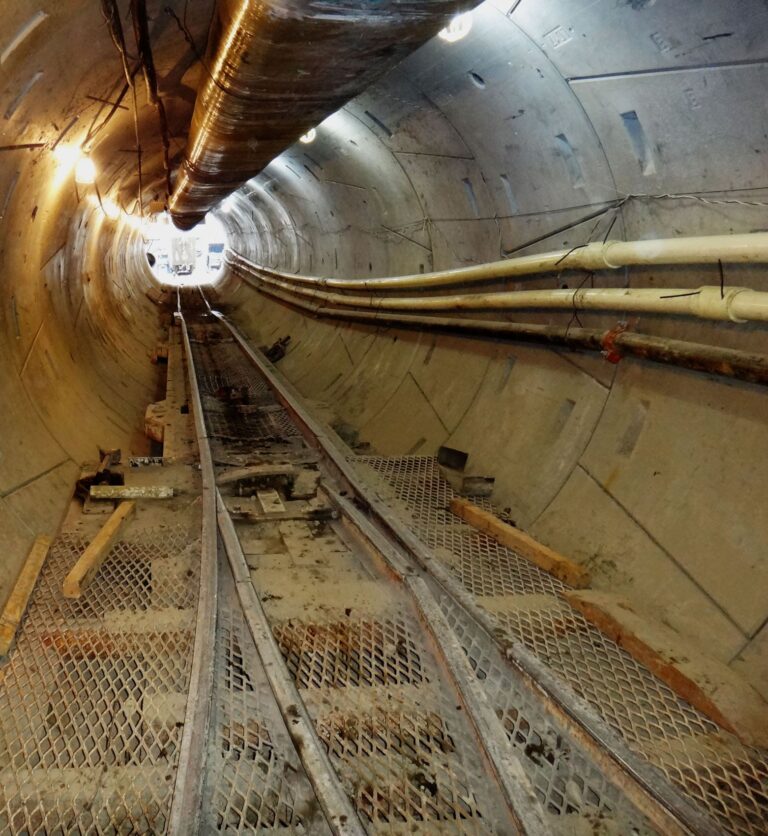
(266, 425)
(482, 565)
(729, 782)
(240, 409)
(721, 775)
(564, 777)
(403, 765)
(254, 779)
(220, 366)
(629, 697)
(217, 384)
(92, 701)
(394, 731)
(350, 653)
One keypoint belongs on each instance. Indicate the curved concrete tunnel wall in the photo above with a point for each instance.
(77, 336)
(540, 117)
(77, 329)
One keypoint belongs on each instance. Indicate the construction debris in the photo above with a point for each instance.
(277, 350)
(302, 482)
(101, 476)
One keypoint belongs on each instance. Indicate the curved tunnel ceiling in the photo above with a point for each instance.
(549, 125)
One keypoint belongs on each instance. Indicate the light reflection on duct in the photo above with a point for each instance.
(317, 61)
(308, 137)
(457, 29)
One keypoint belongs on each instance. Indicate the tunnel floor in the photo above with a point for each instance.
(332, 682)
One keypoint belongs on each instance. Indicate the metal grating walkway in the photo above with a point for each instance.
(95, 702)
(718, 773)
(356, 650)
(92, 700)
(254, 780)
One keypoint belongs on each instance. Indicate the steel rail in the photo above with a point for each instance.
(187, 794)
(514, 782)
(334, 802)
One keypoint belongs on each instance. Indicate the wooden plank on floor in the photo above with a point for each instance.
(17, 601)
(550, 561)
(83, 572)
(707, 684)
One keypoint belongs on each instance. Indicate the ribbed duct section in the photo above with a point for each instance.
(275, 69)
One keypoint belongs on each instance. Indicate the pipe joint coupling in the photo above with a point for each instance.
(605, 255)
(717, 303)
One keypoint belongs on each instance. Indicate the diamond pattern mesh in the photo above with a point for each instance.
(253, 779)
(253, 428)
(393, 729)
(350, 653)
(253, 418)
(564, 778)
(718, 774)
(92, 700)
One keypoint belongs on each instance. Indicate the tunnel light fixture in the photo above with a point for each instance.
(457, 28)
(108, 206)
(111, 209)
(67, 157)
(85, 171)
(308, 137)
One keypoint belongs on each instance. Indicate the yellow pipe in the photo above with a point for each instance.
(746, 248)
(736, 304)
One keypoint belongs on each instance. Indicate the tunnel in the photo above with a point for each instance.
(383, 421)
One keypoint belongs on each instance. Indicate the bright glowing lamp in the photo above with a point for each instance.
(111, 209)
(457, 29)
(308, 137)
(85, 171)
(67, 155)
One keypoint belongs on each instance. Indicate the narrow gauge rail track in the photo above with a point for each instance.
(391, 705)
